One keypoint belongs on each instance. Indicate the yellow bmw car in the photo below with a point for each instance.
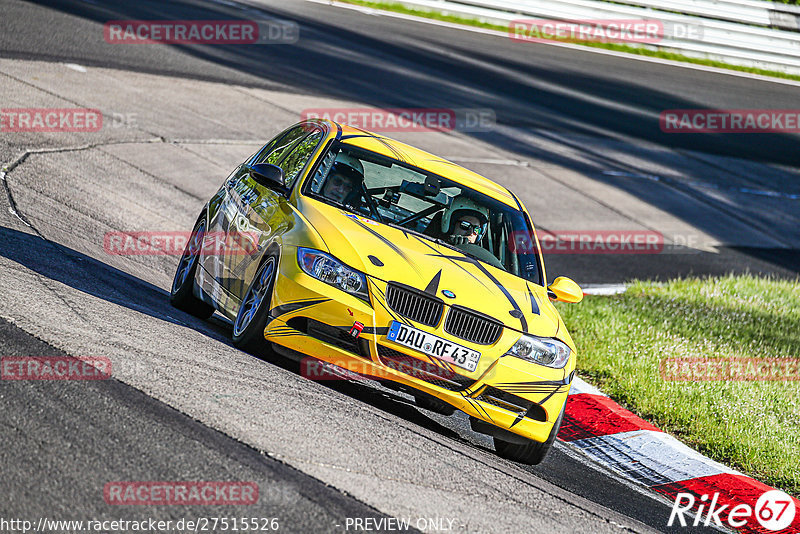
(378, 258)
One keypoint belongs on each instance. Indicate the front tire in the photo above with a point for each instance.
(532, 452)
(251, 319)
(182, 292)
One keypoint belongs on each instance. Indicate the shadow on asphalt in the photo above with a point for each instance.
(88, 275)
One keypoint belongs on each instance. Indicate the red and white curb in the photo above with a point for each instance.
(638, 451)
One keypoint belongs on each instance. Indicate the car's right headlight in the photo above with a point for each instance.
(546, 351)
(330, 270)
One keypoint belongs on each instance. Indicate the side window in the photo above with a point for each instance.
(299, 156)
(278, 147)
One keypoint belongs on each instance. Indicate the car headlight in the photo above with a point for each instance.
(542, 350)
(328, 269)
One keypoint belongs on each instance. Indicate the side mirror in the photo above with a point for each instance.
(268, 175)
(565, 290)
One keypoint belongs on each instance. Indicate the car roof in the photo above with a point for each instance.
(424, 160)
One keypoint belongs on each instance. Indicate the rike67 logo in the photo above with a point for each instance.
(774, 510)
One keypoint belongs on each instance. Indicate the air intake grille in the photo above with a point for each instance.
(414, 304)
(472, 326)
(512, 403)
(427, 371)
(337, 336)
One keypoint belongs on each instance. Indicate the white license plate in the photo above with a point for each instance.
(433, 346)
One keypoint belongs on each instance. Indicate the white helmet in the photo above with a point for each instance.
(351, 161)
(463, 203)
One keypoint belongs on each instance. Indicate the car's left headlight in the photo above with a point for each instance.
(542, 350)
(330, 270)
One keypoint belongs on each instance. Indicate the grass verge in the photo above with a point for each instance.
(400, 8)
(749, 425)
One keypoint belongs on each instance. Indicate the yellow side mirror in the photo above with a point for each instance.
(565, 289)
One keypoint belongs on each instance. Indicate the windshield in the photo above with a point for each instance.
(429, 205)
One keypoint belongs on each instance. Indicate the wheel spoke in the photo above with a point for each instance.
(253, 299)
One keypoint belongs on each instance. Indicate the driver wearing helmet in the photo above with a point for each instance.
(465, 223)
(344, 183)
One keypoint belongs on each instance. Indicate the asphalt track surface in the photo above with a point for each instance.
(185, 405)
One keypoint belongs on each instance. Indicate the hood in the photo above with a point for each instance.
(392, 255)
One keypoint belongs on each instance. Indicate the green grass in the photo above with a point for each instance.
(399, 8)
(749, 425)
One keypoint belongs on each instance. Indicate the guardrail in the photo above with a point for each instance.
(739, 32)
(769, 14)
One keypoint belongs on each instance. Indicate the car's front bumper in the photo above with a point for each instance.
(315, 318)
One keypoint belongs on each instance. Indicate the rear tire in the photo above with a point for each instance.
(532, 452)
(182, 292)
(251, 319)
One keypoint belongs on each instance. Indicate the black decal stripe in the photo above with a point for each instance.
(380, 293)
(562, 382)
(496, 282)
(532, 389)
(433, 286)
(440, 255)
(382, 140)
(519, 418)
(534, 303)
(437, 160)
(288, 334)
(548, 392)
(478, 407)
(547, 398)
(548, 385)
(281, 329)
(468, 392)
(385, 241)
(397, 154)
